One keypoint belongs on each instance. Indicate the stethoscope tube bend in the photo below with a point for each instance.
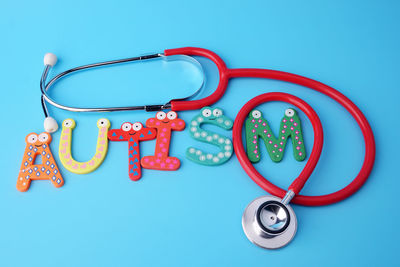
(268, 221)
(225, 74)
(299, 182)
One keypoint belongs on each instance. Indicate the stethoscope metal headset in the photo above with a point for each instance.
(268, 221)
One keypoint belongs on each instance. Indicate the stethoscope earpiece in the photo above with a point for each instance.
(50, 125)
(50, 59)
(269, 223)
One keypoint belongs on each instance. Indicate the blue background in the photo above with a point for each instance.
(192, 217)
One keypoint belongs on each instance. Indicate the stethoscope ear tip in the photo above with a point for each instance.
(50, 125)
(50, 59)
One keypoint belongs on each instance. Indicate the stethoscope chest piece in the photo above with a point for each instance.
(269, 223)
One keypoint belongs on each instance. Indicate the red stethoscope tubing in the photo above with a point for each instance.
(299, 182)
(225, 74)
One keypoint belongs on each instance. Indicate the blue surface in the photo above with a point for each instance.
(192, 217)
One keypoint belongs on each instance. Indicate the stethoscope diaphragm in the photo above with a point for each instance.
(269, 223)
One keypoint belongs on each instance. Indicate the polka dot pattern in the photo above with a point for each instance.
(161, 160)
(133, 138)
(29, 171)
(289, 127)
(65, 153)
(225, 144)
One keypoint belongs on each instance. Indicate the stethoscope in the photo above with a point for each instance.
(268, 221)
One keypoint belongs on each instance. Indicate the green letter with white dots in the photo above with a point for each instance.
(257, 126)
(212, 116)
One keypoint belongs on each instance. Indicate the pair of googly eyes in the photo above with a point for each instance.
(257, 114)
(43, 137)
(126, 127)
(170, 115)
(207, 112)
(100, 123)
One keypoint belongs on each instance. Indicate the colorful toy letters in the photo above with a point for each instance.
(165, 124)
(47, 170)
(133, 134)
(160, 128)
(257, 126)
(215, 117)
(65, 148)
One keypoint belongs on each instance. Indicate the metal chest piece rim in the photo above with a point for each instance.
(269, 223)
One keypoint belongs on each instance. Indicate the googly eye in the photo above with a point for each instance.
(256, 114)
(126, 127)
(43, 137)
(68, 123)
(161, 115)
(32, 138)
(289, 112)
(217, 112)
(137, 126)
(102, 123)
(206, 112)
(172, 115)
